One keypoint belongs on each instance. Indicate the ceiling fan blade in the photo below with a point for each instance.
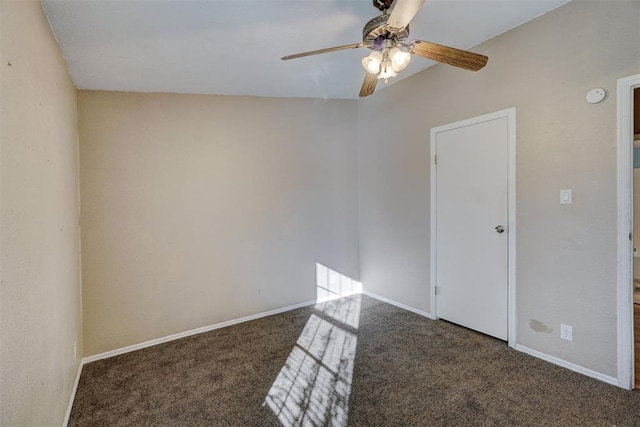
(402, 14)
(319, 51)
(368, 85)
(449, 55)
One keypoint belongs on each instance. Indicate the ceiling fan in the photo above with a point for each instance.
(386, 36)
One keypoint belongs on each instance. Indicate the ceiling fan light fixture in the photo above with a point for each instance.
(385, 35)
(400, 58)
(372, 62)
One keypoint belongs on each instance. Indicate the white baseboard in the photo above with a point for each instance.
(179, 335)
(568, 365)
(337, 296)
(73, 395)
(400, 305)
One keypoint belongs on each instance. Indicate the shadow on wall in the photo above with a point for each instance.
(314, 384)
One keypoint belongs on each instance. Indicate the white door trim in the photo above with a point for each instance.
(510, 114)
(625, 229)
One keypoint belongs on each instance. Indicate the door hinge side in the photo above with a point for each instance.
(436, 290)
(435, 160)
(631, 237)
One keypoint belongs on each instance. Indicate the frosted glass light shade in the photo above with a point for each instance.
(372, 62)
(400, 58)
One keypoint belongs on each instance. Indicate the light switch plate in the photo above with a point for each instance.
(566, 197)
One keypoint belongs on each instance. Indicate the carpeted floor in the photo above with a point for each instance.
(353, 361)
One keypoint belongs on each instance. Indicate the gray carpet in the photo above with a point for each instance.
(354, 361)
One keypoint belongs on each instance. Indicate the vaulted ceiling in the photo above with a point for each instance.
(233, 47)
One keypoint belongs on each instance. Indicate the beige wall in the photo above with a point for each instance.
(566, 255)
(39, 261)
(200, 209)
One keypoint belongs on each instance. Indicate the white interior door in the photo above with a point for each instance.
(471, 249)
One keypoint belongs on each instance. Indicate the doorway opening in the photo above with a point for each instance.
(636, 238)
(628, 346)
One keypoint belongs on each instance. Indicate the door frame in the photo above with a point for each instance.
(625, 230)
(510, 114)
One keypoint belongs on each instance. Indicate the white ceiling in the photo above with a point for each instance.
(233, 47)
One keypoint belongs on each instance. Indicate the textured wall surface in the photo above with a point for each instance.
(39, 238)
(201, 209)
(566, 254)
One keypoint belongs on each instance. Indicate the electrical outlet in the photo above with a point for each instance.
(75, 350)
(566, 332)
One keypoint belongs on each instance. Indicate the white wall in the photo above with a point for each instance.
(566, 254)
(201, 209)
(39, 238)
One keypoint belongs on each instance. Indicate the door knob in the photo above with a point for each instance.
(500, 229)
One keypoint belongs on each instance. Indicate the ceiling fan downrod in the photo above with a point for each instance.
(382, 5)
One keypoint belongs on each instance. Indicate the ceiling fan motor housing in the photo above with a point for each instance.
(375, 32)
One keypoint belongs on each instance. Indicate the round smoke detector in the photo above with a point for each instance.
(596, 95)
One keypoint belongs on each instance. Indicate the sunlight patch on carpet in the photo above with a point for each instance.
(314, 384)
